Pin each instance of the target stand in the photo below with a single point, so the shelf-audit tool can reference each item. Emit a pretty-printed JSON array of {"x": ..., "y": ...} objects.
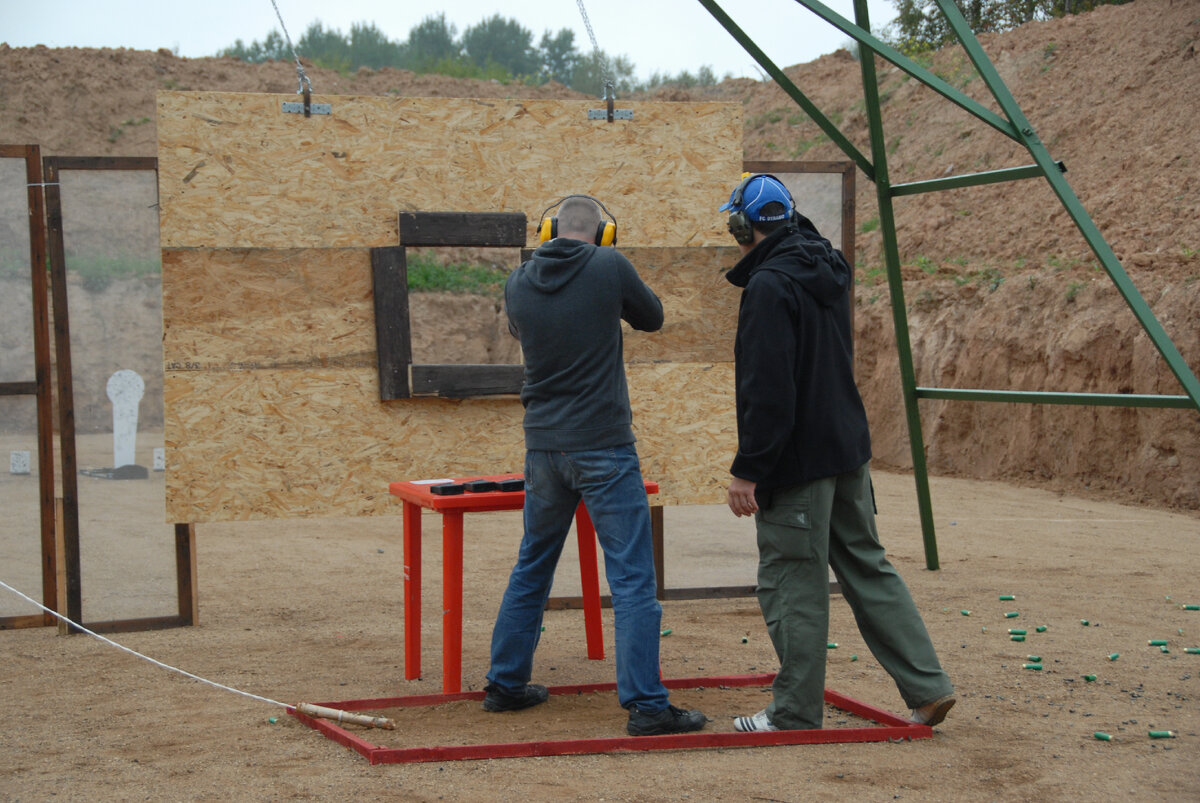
[{"x": 884, "y": 727}]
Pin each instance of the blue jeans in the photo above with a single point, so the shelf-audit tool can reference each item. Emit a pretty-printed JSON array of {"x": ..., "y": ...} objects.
[{"x": 610, "y": 483}]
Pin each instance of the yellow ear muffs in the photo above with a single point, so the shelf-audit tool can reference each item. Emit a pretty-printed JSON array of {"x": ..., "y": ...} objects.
[{"x": 606, "y": 232}]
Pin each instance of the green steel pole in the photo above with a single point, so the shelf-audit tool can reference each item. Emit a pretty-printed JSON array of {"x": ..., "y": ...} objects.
[
  {"x": 887, "y": 225},
  {"x": 1071, "y": 203},
  {"x": 785, "y": 83}
]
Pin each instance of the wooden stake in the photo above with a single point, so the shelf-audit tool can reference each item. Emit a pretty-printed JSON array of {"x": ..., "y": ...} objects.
[{"x": 345, "y": 716}]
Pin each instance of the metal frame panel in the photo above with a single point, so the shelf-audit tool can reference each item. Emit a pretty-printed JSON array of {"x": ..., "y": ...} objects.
[{"x": 70, "y": 594}]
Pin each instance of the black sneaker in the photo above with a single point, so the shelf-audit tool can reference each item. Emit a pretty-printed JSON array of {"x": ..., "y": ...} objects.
[
  {"x": 499, "y": 700},
  {"x": 669, "y": 720}
]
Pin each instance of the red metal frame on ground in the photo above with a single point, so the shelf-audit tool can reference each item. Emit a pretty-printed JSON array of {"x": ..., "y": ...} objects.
[{"x": 888, "y": 727}]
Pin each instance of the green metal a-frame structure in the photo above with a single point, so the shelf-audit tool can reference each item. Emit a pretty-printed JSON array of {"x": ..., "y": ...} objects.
[{"x": 1012, "y": 124}]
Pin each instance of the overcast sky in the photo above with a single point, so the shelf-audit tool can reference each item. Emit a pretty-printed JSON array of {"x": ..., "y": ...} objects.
[{"x": 663, "y": 36}]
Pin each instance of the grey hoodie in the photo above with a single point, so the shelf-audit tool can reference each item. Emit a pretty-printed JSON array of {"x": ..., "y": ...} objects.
[{"x": 566, "y": 305}]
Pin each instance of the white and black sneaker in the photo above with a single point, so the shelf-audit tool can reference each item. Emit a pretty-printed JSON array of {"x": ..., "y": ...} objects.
[{"x": 754, "y": 724}]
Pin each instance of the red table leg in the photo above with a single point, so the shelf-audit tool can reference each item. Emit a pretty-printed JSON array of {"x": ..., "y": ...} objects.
[
  {"x": 412, "y": 591},
  {"x": 452, "y": 583},
  {"x": 589, "y": 579}
]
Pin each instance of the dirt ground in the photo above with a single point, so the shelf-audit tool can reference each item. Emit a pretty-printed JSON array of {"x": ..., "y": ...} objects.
[
  {"x": 1097, "y": 517},
  {"x": 312, "y": 611}
]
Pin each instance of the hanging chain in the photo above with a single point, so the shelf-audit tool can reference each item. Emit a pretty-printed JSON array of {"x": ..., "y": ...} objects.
[
  {"x": 603, "y": 62},
  {"x": 301, "y": 77}
]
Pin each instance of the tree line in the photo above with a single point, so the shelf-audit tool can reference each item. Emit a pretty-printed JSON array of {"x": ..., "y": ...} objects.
[
  {"x": 495, "y": 48},
  {"x": 502, "y": 49},
  {"x": 921, "y": 26}
]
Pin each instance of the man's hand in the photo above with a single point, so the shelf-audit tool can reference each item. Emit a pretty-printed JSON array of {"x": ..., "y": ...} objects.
[{"x": 741, "y": 497}]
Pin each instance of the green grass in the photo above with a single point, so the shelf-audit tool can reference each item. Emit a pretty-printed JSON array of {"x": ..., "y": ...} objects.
[{"x": 426, "y": 274}]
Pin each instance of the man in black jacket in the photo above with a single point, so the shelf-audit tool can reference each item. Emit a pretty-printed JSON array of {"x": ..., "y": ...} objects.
[
  {"x": 801, "y": 466},
  {"x": 566, "y": 305}
]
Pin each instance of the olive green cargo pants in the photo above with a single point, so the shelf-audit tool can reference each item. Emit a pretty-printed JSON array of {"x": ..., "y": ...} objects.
[{"x": 831, "y": 522}]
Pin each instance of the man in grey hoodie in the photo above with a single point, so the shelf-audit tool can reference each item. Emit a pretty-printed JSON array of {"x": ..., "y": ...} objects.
[
  {"x": 801, "y": 466},
  {"x": 566, "y": 305}
]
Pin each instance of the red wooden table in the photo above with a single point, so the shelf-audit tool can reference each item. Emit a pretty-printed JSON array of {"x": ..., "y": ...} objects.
[{"x": 416, "y": 494}]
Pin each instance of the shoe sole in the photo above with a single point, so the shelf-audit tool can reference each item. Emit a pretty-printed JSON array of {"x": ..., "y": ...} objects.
[{"x": 939, "y": 711}]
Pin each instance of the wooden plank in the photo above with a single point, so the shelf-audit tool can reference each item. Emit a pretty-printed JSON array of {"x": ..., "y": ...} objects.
[
  {"x": 236, "y": 172},
  {"x": 67, "y": 512},
  {"x": 465, "y": 381},
  {"x": 474, "y": 229},
  {"x": 393, "y": 336},
  {"x": 185, "y": 573}
]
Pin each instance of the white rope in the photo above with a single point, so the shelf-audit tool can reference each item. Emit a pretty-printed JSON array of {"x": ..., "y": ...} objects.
[
  {"x": 587, "y": 23},
  {"x": 299, "y": 67},
  {"x": 139, "y": 655}
]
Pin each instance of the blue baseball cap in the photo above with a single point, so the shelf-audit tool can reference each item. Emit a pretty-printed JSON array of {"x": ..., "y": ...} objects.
[{"x": 757, "y": 192}]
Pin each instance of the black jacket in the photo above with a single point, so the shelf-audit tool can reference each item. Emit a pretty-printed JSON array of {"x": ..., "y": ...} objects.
[{"x": 799, "y": 413}]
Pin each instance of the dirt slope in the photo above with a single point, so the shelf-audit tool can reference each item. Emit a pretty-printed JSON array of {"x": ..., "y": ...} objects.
[{"x": 1000, "y": 289}]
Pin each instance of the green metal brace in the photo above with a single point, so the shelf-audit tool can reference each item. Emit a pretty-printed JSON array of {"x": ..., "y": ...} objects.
[{"x": 1018, "y": 128}]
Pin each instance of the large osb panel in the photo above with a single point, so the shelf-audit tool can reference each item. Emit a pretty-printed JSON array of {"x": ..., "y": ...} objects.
[
  {"x": 234, "y": 171},
  {"x": 699, "y": 306},
  {"x": 272, "y": 443},
  {"x": 267, "y": 308},
  {"x": 272, "y": 396}
]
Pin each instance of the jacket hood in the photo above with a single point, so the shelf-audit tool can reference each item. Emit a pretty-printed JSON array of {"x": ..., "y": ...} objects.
[
  {"x": 556, "y": 262},
  {"x": 799, "y": 252}
]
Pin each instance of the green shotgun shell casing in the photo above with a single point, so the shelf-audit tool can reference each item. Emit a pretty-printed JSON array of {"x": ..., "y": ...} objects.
[
  {"x": 854, "y": 657},
  {"x": 1012, "y": 615},
  {"x": 745, "y": 640},
  {"x": 1004, "y": 597},
  {"x": 1164, "y": 649},
  {"x": 1089, "y": 678},
  {"x": 1102, "y": 736},
  {"x": 1037, "y": 659},
  {"x": 666, "y": 632},
  {"x": 1112, "y": 656},
  {"x": 1191, "y": 607},
  {"x": 1034, "y": 667},
  {"x": 1192, "y": 650},
  {"x": 832, "y": 645},
  {"x": 965, "y": 612},
  {"x": 1040, "y": 628},
  {"x": 1162, "y": 734},
  {"x": 1084, "y": 622},
  {"x": 1157, "y": 642},
  {"x": 1013, "y": 631},
  {"x": 1016, "y": 638}
]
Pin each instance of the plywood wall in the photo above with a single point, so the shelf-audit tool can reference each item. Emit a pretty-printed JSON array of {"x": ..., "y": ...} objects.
[
  {"x": 236, "y": 172},
  {"x": 272, "y": 397}
]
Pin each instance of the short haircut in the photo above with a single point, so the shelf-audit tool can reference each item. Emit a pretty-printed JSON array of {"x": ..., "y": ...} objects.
[
  {"x": 772, "y": 209},
  {"x": 579, "y": 216}
]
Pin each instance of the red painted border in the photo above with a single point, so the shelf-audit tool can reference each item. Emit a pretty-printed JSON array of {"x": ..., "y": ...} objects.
[{"x": 888, "y": 727}]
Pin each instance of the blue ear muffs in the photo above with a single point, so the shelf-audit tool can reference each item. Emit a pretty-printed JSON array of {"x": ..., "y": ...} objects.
[{"x": 739, "y": 223}]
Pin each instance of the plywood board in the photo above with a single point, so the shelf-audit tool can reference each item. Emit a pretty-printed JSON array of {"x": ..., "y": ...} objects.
[
  {"x": 236, "y": 172},
  {"x": 276, "y": 443},
  {"x": 272, "y": 400}
]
